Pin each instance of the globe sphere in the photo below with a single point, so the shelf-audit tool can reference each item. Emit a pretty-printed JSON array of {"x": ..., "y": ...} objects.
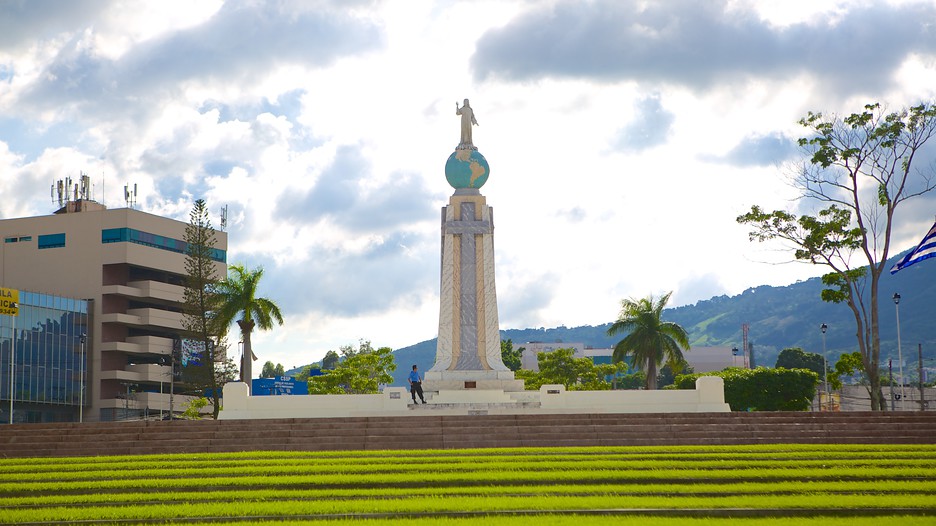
[{"x": 466, "y": 169}]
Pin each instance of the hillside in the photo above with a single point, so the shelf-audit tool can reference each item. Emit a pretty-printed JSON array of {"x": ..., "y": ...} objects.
[{"x": 778, "y": 317}]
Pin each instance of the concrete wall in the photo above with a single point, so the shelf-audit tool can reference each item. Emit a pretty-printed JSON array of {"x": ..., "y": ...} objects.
[
  {"x": 707, "y": 397},
  {"x": 238, "y": 404}
]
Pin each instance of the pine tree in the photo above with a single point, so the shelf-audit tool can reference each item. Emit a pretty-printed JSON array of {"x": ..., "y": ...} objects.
[{"x": 201, "y": 302}]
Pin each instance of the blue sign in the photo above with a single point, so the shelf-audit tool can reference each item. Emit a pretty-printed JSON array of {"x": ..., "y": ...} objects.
[{"x": 280, "y": 385}]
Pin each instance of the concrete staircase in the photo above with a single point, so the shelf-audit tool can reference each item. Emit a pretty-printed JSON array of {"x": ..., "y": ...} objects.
[{"x": 424, "y": 431}]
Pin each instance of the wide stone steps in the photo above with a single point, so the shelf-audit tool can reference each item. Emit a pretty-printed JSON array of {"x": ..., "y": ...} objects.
[{"x": 426, "y": 431}]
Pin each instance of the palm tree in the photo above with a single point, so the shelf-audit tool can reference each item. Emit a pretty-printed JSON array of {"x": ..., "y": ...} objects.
[
  {"x": 239, "y": 298},
  {"x": 650, "y": 340}
]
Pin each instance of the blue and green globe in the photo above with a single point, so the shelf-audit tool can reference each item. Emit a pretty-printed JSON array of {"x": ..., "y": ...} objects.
[{"x": 466, "y": 169}]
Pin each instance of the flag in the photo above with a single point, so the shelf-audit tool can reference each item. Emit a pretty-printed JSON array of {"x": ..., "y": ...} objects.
[{"x": 926, "y": 249}]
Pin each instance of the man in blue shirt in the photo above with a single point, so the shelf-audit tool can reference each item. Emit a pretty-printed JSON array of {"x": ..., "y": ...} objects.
[{"x": 415, "y": 383}]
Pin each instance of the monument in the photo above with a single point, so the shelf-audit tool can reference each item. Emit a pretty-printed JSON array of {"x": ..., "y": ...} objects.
[
  {"x": 468, "y": 353},
  {"x": 469, "y": 376}
]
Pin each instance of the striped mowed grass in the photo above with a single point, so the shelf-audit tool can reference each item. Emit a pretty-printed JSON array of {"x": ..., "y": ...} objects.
[{"x": 751, "y": 484}]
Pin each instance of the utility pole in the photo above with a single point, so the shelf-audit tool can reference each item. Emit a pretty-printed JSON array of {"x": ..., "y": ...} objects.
[{"x": 920, "y": 373}]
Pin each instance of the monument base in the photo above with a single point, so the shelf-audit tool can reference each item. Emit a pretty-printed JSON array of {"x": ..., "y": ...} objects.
[
  {"x": 707, "y": 397},
  {"x": 436, "y": 381},
  {"x": 471, "y": 396}
]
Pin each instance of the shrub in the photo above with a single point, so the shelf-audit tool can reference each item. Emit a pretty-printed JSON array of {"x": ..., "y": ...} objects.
[
  {"x": 193, "y": 408},
  {"x": 762, "y": 389}
]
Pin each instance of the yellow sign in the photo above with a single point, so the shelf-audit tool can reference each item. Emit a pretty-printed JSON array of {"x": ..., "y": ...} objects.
[{"x": 9, "y": 302}]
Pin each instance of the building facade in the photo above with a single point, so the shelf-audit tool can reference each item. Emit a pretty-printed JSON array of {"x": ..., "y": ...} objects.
[
  {"x": 129, "y": 266},
  {"x": 47, "y": 345}
]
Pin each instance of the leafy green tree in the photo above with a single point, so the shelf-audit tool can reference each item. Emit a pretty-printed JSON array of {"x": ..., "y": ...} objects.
[
  {"x": 636, "y": 380},
  {"x": 668, "y": 373},
  {"x": 201, "y": 301},
  {"x": 848, "y": 364},
  {"x": 511, "y": 356},
  {"x": 796, "y": 358},
  {"x": 239, "y": 298},
  {"x": 861, "y": 168},
  {"x": 762, "y": 389},
  {"x": 330, "y": 361},
  {"x": 272, "y": 371},
  {"x": 576, "y": 374},
  {"x": 360, "y": 372},
  {"x": 650, "y": 340}
]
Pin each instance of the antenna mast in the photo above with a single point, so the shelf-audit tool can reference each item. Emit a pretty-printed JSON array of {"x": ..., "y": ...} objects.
[{"x": 130, "y": 196}]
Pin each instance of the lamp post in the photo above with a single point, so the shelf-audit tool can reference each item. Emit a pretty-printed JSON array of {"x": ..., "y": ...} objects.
[
  {"x": 899, "y": 355},
  {"x": 81, "y": 381},
  {"x": 176, "y": 348},
  {"x": 825, "y": 367},
  {"x": 13, "y": 306}
]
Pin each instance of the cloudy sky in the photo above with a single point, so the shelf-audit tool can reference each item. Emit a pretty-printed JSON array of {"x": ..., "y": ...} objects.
[{"x": 623, "y": 137}]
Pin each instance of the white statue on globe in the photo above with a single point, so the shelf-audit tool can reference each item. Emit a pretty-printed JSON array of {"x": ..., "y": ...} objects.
[{"x": 467, "y": 120}]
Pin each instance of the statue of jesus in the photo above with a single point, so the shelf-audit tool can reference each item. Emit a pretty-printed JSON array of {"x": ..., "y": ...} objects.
[{"x": 467, "y": 119}]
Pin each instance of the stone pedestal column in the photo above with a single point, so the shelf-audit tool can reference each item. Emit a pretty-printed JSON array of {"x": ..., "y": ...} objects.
[{"x": 468, "y": 354}]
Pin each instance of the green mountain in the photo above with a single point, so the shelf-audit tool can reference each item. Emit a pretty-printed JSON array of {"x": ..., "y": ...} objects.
[{"x": 778, "y": 317}]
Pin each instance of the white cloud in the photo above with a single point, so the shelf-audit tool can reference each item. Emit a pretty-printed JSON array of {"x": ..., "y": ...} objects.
[{"x": 623, "y": 139}]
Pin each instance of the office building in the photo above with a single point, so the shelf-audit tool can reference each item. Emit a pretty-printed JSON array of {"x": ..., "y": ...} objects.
[{"x": 128, "y": 268}]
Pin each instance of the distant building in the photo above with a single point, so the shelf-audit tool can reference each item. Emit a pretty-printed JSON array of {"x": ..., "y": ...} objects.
[
  {"x": 533, "y": 349},
  {"x": 128, "y": 267},
  {"x": 705, "y": 359},
  {"x": 701, "y": 359}
]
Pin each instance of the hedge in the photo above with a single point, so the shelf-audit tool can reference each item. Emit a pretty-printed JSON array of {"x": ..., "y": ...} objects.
[{"x": 762, "y": 389}]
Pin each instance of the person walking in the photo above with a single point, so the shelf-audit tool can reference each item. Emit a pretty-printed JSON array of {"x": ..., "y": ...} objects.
[{"x": 415, "y": 383}]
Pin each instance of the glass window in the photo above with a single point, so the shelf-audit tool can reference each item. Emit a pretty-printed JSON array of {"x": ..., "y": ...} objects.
[
  {"x": 52, "y": 240},
  {"x": 114, "y": 235}
]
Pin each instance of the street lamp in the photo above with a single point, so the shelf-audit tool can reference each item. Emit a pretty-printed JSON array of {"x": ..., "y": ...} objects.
[
  {"x": 13, "y": 307},
  {"x": 899, "y": 355},
  {"x": 825, "y": 367},
  {"x": 81, "y": 381}
]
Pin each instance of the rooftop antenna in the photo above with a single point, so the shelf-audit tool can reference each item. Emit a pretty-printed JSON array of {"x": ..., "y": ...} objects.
[
  {"x": 58, "y": 187},
  {"x": 130, "y": 196},
  {"x": 85, "y": 187},
  {"x": 60, "y": 191},
  {"x": 224, "y": 217}
]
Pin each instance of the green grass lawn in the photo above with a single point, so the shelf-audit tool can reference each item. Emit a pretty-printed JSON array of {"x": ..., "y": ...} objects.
[{"x": 770, "y": 484}]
